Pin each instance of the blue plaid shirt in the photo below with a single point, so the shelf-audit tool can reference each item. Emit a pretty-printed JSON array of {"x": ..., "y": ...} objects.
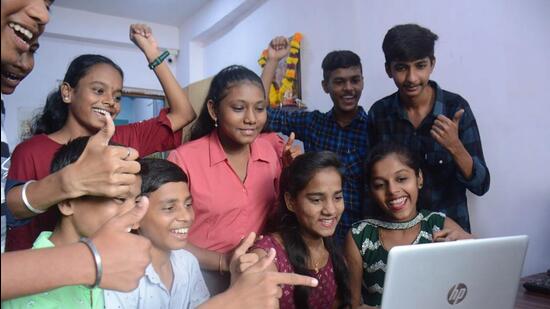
[
  {"x": 320, "y": 131},
  {"x": 444, "y": 185}
]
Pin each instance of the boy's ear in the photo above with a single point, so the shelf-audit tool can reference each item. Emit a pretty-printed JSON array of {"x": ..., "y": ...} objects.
[
  {"x": 66, "y": 92},
  {"x": 66, "y": 207},
  {"x": 289, "y": 202},
  {"x": 387, "y": 66},
  {"x": 212, "y": 110},
  {"x": 433, "y": 63},
  {"x": 324, "y": 84}
]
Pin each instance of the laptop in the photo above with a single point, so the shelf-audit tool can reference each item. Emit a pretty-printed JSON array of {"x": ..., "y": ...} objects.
[{"x": 464, "y": 274}]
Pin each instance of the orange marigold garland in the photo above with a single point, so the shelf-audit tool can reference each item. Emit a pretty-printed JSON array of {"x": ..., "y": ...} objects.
[{"x": 283, "y": 94}]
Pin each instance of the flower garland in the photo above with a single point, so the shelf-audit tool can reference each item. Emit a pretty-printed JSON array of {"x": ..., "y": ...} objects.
[{"x": 284, "y": 94}]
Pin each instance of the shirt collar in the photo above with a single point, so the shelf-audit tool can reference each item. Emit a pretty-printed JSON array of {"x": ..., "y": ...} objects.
[
  {"x": 217, "y": 154},
  {"x": 437, "y": 109},
  {"x": 360, "y": 116}
]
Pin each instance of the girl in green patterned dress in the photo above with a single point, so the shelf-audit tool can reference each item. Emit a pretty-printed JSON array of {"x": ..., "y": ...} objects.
[{"x": 394, "y": 180}]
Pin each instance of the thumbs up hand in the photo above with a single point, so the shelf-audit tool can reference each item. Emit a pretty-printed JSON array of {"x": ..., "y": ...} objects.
[
  {"x": 445, "y": 131},
  {"x": 290, "y": 152}
]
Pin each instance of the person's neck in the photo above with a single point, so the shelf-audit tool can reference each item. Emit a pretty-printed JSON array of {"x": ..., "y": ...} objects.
[
  {"x": 313, "y": 243},
  {"x": 159, "y": 258},
  {"x": 64, "y": 233},
  {"x": 420, "y": 102},
  {"x": 345, "y": 118},
  {"x": 233, "y": 149},
  {"x": 71, "y": 130}
]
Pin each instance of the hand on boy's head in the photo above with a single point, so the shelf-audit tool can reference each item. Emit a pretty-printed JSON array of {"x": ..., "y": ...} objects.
[
  {"x": 278, "y": 48},
  {"x": 102, "y": 170},
  {"x": 258, "y": 288},
  {"x": 445, "y": 131},
  {"x": 142, "y": 36},
  {"x": 124, "y": 255}
]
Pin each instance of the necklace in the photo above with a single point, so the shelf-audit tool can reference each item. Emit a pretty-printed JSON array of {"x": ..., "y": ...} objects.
[
  {"x": 318, "y": 264},
  {"x": 396, "y": 225}
]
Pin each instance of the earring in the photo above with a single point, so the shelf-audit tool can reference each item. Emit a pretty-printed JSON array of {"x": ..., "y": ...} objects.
[
  {"x": 216, "y": 123},
  {"x": 66, "y": 99},
  {"x": 420, "y": 186}
]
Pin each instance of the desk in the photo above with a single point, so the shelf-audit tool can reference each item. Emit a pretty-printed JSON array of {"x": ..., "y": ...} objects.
[{"x": 530, "y": 300}]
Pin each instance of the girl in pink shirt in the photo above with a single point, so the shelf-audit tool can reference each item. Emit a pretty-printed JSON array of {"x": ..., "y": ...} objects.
[
  {"x": 311, "y": 204},
  {"x": 233, "y": 170}
]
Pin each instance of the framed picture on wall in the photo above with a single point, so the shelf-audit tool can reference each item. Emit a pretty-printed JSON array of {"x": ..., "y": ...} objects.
[{"x": 286, "y": 88}]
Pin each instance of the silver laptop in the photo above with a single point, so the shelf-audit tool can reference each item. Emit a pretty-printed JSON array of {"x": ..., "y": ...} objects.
[{"x": 464, "y": 274}]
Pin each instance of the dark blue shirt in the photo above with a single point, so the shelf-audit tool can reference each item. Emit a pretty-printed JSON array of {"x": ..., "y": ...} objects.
[
  {"x": 444, "y": 185},
  {"x": 320, "y": 131}
]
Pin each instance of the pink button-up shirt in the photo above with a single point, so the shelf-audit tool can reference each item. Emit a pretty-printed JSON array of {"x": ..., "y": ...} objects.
[{"x": 227, "y": 209}]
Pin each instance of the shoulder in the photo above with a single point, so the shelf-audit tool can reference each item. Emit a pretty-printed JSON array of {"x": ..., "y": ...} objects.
[
  {"x": 34, "y": 142},
  {"x": 433, "y": 219},
  {"x": 184, "y": 258},
  {"x": 192, "y": 147}
]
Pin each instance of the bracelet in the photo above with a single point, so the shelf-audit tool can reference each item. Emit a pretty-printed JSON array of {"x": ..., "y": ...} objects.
[
  {"x": 97, "y": 260},
  {"x": 26, "y": 200},
  {"x": 159, "y": 60},
  {"x": 220, "y": 265}
]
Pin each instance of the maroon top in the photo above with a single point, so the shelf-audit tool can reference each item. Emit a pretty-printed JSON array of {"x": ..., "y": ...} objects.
[
  {"x": 320, "y": 297},
  {"x": 32, "y": 159}
]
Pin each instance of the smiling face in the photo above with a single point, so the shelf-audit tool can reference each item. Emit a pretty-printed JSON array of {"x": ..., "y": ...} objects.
[
  {"x": 97, "y": 92},
  {"x": 411, "y": 77},
  {"x": 394, "y": 186},
  {"x": 345, "y": 86},
  {"x": 169, "y": 217},
  {"x": 22, "y": 23},
  {"x": 320, "y": 204},
  {"x": 241, "y": 114}
]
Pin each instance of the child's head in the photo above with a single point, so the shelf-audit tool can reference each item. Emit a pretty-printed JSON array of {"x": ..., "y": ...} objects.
[
  {"x": 343, "y": 79},
  {"x": 84, "y": 215},
  {"x": 235, "y": 105},
  {"x": 22, "y": 24},
  {"x": 91, "y": 87},
  {"x": 409, "y": 52},
  {"x": 394, "y": 180},
  {"x": 170, "y": 212},
  {"x": 311, "y": 193}
]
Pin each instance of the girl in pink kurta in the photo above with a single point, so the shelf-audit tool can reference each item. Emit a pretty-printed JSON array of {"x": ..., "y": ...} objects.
[
  {"x": 311, "y": 204},
  {"x": 233, "y": 170}
]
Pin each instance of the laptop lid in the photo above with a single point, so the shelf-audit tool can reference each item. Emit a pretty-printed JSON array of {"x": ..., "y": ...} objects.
[{"x": 464, "y": 274}]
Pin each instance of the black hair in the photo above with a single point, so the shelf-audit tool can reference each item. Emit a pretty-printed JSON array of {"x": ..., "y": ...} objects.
[
  {"x": 221, "y": 83},
  {"x": 55, "y": 112},
  {"x": 339, "y": 59},
  {"x": 408, "y": 42},
  {"x": 156, "y": 172},
  {"x": 380, "y": 152},
  {"x": 68, "y": 153},
  {"x": 294, "y": 179}
]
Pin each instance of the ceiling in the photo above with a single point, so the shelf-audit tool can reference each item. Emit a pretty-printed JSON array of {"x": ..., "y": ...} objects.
[{"x": 167, "y": 12}]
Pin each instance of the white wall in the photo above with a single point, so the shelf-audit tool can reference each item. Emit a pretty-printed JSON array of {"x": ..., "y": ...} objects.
[
  {"x": 71, "y": 33},
  {"x": 494, "y": 53}
]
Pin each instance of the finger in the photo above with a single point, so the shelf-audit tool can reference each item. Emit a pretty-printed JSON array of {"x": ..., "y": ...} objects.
[
  {"x": 103, "y": 136},
  {"x": 245, "y": 244},
  {"x": 458, "y": 116},
  {"x": 249, "y": 258},
  {"x": 131, "y": 217},
  {"x": 438, "y": 130},
  {"x": 294, "y": 279},
  {"x": 264, "y": 262},
  {"x": 290, "y": 140}
]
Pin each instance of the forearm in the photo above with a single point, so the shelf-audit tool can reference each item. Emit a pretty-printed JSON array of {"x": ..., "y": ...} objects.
[
  {"x": 181, "y": 112},
  {"x": 34, "y": 271},
  {"x": 209, "y": 260},
  {"x": 268, "y": 74},
  {"x": 463, "y": 160},
  {"x": 41, "y": 194}
]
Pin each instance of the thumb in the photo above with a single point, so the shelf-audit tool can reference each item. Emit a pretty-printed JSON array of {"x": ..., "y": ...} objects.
[
  {"x": 131, "y": 217},
  {"x": 104, "y": 135},
  {"x": 263, "y": 263},
  {"x": 458, "y": 116},
  {"x": 290, "y": 140}
]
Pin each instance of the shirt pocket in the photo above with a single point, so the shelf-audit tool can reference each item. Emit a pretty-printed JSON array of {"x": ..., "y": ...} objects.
[{"x": 440, "y": 164}]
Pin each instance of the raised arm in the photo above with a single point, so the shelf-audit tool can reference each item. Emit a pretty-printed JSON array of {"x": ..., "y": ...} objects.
[
  {"x": 277, "y": 49},
  {"x": 101, "y": 170},
  {"x": 181, "y": 112}
]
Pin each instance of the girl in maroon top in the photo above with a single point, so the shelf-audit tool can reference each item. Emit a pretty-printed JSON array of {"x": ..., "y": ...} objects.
[{"x": 311, "y": 203}]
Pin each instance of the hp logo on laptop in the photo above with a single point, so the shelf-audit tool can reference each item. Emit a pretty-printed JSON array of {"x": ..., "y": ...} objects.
[{"x": 457, "y": 293}]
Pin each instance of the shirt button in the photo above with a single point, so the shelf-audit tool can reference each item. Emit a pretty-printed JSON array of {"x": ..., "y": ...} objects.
[{"x": 440, "y": 161}]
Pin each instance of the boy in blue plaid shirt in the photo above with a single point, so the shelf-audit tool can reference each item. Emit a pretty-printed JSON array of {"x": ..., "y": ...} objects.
[
  {"x": 342, "y": 130},
  {"x": 437, "y": 125}
]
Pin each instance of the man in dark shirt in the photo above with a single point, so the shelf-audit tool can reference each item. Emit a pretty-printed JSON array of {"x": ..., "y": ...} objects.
[{"x": 437, "y": 125}]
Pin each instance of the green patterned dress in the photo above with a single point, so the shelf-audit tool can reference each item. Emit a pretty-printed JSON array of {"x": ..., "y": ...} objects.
[{"x": 366, "y": 237}]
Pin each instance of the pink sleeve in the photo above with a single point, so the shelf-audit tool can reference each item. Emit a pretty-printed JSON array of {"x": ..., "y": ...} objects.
[{"x": 149, "y": 136}]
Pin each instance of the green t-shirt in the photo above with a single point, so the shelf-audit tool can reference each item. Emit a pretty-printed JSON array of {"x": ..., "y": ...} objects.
[
  {"x": 73, "y": 297},
  {"x": 375, "y": 257}
]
